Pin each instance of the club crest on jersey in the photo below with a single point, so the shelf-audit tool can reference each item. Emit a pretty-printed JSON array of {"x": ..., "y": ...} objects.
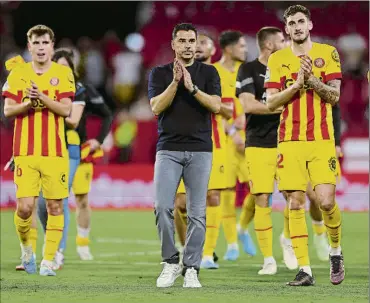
[
  {"x": 335, "y": 55},
  {"x": 54, "y": 81},
  {"x": 319, "y": 62},
  {"x": 333, "y": 164}
]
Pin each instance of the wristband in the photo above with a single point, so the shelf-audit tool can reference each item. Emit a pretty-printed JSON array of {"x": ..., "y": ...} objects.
[{"x": 195, "y": 90}]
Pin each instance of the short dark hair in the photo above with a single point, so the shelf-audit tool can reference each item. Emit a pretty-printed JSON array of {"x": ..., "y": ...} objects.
[
  {"x": 183, "y": 27},
  {"x": 264, "y": 33},
  {"x": 40, "y": 30},
  {"x": 229, "y": 37},
  {"x": 68, "y": 55},
  {"x": 293, "y": 9}
]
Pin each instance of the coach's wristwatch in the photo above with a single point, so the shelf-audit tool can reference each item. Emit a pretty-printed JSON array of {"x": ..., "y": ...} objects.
[{"x": 195, "y": 90}]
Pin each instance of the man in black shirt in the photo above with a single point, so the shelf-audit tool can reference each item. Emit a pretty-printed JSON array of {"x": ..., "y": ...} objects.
[
  {"x": 183, "y": 94},
  {"x": 261, "y": 139}
]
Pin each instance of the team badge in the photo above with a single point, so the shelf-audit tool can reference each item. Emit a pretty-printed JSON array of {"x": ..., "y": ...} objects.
[
  {"x": 63, "y": 178},
  {"x": 222, "y": 169},
  {"x": 335, "y": 55},
  {"x": 333, "y": 164},
  {"x": 319, "y": 62},
  {"x": 54, "y": 81}
]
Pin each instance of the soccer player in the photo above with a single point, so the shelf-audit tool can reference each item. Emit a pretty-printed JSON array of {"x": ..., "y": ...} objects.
[
  {"x": 234, "y": 48},
  {"x": 305, "y": 79},
  {"x": 204, "y": 52},
  {"x": 184, "y": 150},
  {"x": 261, "y": 141},
  {"x": 65, "y": 57},
  {"x": 39, "y": 95}
]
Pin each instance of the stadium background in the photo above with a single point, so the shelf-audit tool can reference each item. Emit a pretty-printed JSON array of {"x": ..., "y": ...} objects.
[{"x": 118, "y": 42}]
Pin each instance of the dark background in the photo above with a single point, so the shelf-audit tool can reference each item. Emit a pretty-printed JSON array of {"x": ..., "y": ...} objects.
[{"x": 74, "y": 19}]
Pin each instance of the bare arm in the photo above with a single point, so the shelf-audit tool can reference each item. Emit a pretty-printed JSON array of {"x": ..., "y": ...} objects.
[
  {"x": 74, "y": 119},
  {"x": 329, "y": 92},
  {"x": 226, "y": 110},
  {"x": 61, "y": 108},
  {"x": 253, "y": 106},
  {"x": 213, "y": 103},
  {"x": 161, "y": 102},
  {"x": 12, "y": 108}
]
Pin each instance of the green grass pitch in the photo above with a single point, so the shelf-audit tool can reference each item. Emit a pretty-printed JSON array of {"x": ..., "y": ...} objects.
[{"x": 127, "y": 263}]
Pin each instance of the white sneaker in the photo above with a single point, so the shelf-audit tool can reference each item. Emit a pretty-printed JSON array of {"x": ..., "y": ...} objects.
[
  {"x": 290, "y": 259},
  {"x": 169, "y": 274},
  {"x": 84, "y": 253},
  {"x": 58, "y": 260},
  {"x": 322, "y": 246},
  {"x": 191, "y": 279},
  {"x": 269, "y": 268}
]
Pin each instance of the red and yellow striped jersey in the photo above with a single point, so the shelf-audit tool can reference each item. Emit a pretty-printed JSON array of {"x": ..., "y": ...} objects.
[
  {"x": 306, "y": 117},
  {"x": 39, "y": 132},
  {"x": 228, "y": 82}
]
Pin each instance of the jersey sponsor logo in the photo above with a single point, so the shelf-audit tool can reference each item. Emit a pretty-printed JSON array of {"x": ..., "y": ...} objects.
[
  {"x": 267, "y": 76},
  {"x": 319, "y": 62},
  {"x": 289, "y": 82},
  {"x": 54, "y": 81},
  {"x": 333, "y": 164},
  {"x": 335, "y": 55},
  {"x": 286, "y": 66}
]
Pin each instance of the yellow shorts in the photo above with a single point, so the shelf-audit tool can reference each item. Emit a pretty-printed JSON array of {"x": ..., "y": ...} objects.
[
  {"x": 261, "y": 163},
  {"x": 217, "y": 179},
  {"x": 83, "y": 178},
  {"x": 296, "y": 158},
  {"x": 236, "y": 166},
  {"x": 48, "y": 173}
]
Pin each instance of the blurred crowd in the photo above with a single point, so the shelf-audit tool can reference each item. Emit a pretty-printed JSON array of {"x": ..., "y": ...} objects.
[{"x": 118, "y": 68}]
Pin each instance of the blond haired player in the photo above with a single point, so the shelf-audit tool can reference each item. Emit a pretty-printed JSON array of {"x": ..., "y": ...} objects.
[
  {"x": 38, "y": 94},
  {"x": 305, "y": 79},
  {"x": 234, "y": 48},
  {"x": 217, "y": 182}
]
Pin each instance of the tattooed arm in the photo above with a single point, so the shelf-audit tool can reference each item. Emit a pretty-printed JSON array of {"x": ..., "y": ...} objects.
[{"x": 329, "y": 92}]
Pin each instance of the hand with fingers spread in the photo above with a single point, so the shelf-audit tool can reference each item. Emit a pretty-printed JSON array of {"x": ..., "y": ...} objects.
[
  {"x": 177, "y": 71},
  {"x": 306, "y": 66}
]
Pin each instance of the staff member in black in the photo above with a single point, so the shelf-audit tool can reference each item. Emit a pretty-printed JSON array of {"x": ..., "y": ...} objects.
[{"x": 183, "y": 94}]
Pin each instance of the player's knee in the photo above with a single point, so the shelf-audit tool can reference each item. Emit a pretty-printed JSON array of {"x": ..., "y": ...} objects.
[
  {"x": 24, "y": 211},
  {"x": 82, "y": 201},
  {"x": 262, "y": 200},
  {"x": 296, "y": 200},
  {"x": 180, "y": 202},
  {"x": 55, "y": 207},
  {"x": 213, "y": 198},
  {"x": 326, "y": 201}
]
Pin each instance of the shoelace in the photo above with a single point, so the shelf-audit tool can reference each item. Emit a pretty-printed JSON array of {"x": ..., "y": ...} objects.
[
  {"x": 301, "y": 274},
  {"x": 335, "y": 263},
  {"x": 191, "y": 274}
]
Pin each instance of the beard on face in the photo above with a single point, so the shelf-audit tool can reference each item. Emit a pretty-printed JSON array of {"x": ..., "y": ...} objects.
[
  {"x": 201, "y": 58},
  {"x": 301, "y": 41}
]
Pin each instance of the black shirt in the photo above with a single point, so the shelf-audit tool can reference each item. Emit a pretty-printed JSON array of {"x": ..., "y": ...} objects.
[
  {"x": 186, "y": 124},
  {"x": 94, "y": 105},
  {"x": 261, "y": 130}
]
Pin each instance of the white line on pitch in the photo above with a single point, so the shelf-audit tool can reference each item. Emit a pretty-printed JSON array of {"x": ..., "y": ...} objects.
[{"x": 127, "y": 241}]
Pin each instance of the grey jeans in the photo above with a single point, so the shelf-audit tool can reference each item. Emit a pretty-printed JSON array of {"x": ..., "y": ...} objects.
[{"x": 195, "y": 169}]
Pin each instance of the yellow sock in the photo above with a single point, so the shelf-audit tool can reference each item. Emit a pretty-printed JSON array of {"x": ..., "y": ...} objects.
[
  {"x": 229, "y": 215},
  {"x": 248, "y": 211},
  {"x": 286, "y": 222},
  {"x": 82, "y": 238},
  {"x": 318, "y": 227},
  {"x": 333, "y": 222},
  {"x": 23, "y": 228},
  {"x": 213, "y": 222},
  {"x": 54, "y": 233},
  {"x": 263, "y": 228},
  {"x": 33, "y": 239},
  {"x": 299, "y": 236}
]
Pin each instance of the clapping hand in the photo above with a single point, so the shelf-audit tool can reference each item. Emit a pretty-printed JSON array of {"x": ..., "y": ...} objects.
[
  {"x": 187, "y": 78},
  {"x": 177, "y": 71},
  {"x": 306, "y": 66},
  {"x": 33, "y": 92}
]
